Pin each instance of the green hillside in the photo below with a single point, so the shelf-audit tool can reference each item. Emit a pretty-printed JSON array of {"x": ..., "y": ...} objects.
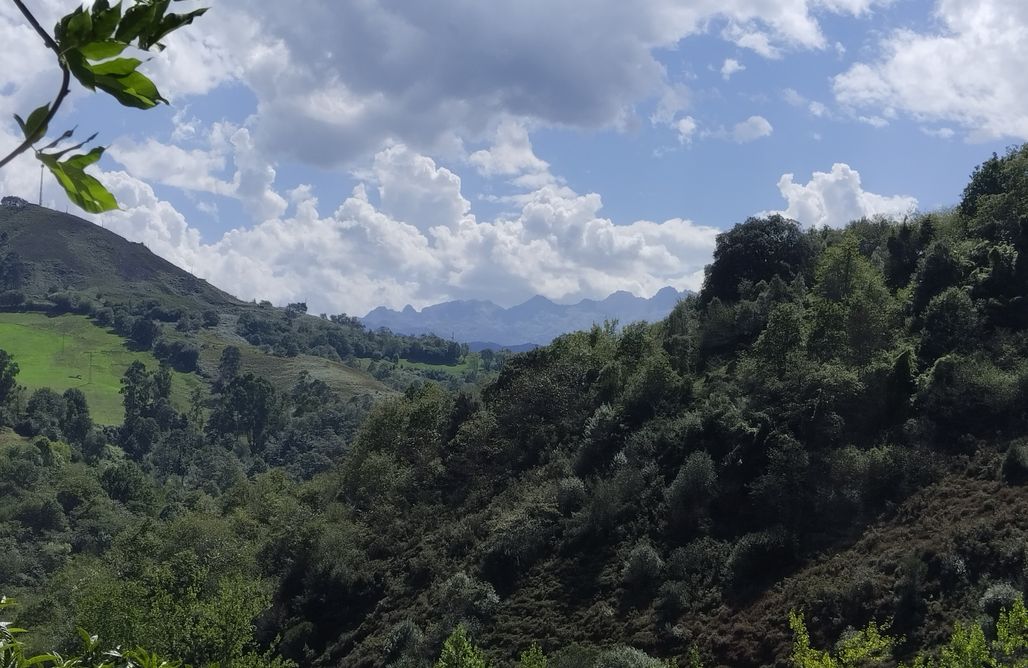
[
  {"x": 283, "y": 371},
  {"x": 836, "y": 426},
  {"x": 70, "y": 351},
  {"x": 62, "y": 252},
  {"x": 58, "y": 262}
]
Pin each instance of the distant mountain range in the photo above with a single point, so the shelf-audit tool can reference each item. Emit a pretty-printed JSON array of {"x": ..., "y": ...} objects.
[{"x": 483, "y": 324}]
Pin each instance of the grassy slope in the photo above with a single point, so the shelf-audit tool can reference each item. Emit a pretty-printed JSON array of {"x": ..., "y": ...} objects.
[
  {"x": 54, "y": 352},
  {"x": 284, "y": 371},
  {"x": 67, "y": 253},
  {"x": 8, "y": 437}
]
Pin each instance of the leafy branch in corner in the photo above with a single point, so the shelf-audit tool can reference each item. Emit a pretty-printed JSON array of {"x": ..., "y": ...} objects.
[{"x": 88, "y": 44}]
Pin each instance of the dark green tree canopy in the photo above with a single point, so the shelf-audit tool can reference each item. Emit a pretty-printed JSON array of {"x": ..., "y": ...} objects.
[{"x": 757, "y": 250}]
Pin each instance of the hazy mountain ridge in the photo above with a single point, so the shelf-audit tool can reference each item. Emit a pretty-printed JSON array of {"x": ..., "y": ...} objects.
[{"x": 536, "y": 321}]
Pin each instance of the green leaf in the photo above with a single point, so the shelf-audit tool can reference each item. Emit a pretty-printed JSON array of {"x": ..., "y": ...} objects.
[
  {"x": 168, "y": 25},
  {"x": 120, "y": 79},
  {"x": 82, "y": 189},
  {"x": 135, "y": 22},
  {"x": 78, "y": 30},
  {"x": 38, "y": 660},
  {"x": 132, "y": 90},
  {"x": 35, "y": 127},
  {"x": 118, "y": 67},
  {"x": 100, "y": 50},
  {"x": 105, "y": 19},
  {"x": 80, "y": 68}
]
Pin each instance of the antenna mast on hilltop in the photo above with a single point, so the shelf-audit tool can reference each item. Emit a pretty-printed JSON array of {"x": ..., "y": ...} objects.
[{"x": 41, "y": 185}]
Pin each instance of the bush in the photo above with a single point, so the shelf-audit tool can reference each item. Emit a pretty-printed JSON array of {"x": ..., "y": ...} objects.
[
  {"x": 627, "y": 657},
  {"x": 756, "y": 557},
  {"x": 464, "y": 598},
  {"x": 403, "y": 644},
  {"x": 969, "y": 395},
  {"x": 673, "y": 599},
  {"x": 1015, "y": 464},
  {"x": 181, "y": 355},
  {"x": 643, "y": 568},
  {"x": 459, "y": 652},
  {"x": 692, "y": 489},
  {"x": 950, "y": 322},
  {"x": 997, "y": 598},
  {"x": 704, "y": 557},
  {"x": 571, "y": 495},
  {"x": 515, "y": 543}
]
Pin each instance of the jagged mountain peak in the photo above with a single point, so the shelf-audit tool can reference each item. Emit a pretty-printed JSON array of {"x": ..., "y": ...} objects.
[{"x": 537, "y": 320}]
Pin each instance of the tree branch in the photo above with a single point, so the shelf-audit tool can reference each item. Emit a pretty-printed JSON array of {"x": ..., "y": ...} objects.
[{"x": 65, "y": 81}]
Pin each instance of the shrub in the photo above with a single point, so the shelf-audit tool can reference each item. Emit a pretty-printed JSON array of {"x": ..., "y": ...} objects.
[
  {"x": 756, "y": 556},
  {"x": 574, "y": 656},
  {"x": 997, "y": 598},
  {"x": 515, "y": 543},
  {"x": 458, "y": 652},
  {"x": 464, "y": 598},
  {"x": 532, "y": 657},
  {"x": 1015, "y": 464},
  {"x": 971, "y": 395},
  {"x": 691, "y": 490},
  {"x": 673, "y": 599},
  {"x": 643, "y": 568},
  {"x": 403, "y": 643},
  {"x": 627, "y": 657},
  {"x": 950, "y": 322},
  {"x": 571, "y": 495}
]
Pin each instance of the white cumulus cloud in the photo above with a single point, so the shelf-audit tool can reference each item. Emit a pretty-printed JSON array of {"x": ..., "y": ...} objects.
[
  {"x": 421, "y": 244},
  {"x": 751, "y": 129},
  {"x": 730, "y": 67},
  {"x": 970, "y": 72},
  {"x": 686, "y": 128},
  {"x": 837, "y": 197}
]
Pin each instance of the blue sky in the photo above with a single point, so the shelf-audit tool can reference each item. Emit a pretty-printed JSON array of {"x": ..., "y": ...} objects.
[{"x": 386, "y": 153}]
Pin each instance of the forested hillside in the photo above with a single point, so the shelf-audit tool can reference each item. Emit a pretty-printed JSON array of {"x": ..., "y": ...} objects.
[{"x": 834, "y": 426}]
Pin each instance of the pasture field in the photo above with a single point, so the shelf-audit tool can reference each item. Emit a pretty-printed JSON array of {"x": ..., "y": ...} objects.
[{"x": 67, "y": 351}]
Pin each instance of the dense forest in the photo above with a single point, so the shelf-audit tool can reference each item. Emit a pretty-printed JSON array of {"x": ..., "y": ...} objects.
[{"x": 825, "y": 447}]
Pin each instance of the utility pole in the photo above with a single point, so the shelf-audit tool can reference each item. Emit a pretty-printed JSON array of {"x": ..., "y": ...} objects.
[
  {"x": 41, "y": 185},
  {"x": 90, "y": 353}
]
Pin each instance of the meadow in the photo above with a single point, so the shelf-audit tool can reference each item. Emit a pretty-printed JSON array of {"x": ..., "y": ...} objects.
[{"x": 67, "y": 351}]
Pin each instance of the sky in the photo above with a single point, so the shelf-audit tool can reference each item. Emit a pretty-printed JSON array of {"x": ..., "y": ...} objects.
[{"x": 391, "y": 152}]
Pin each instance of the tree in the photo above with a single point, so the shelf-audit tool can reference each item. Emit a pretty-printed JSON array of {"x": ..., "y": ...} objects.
[
  {"x": 77, "y": 422},
  {"x": 145, "y": 332},
  {"x": 44, "y": 414},
  {"x": 249, "y": 406},
  {"x": 757, "y": 250},
  {"x": 8, "y": 376},
  {"x": 87, "y": 44},
  {"x": 783, "y": 342},
  {"x": 870, "y": 646},
  {"x": 532, "y": 657},
  {"x": 692, "y": 490},
  {"x": 137, "y": 391},
  {"x": 458, "y": 652},
  {"x": 229, "y": 365}
]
